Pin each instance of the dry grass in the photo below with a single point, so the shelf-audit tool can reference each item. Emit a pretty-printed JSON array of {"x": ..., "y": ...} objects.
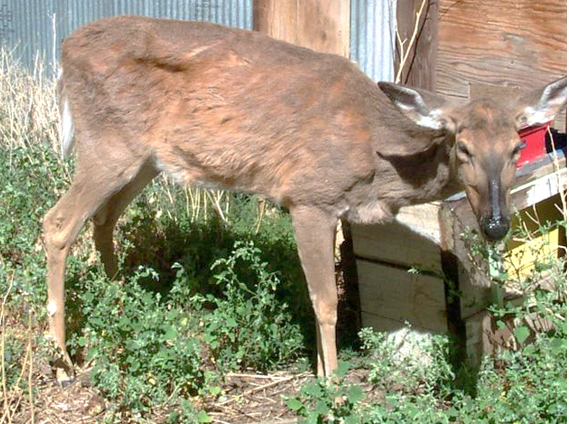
[{"x": 28, "y": 107}]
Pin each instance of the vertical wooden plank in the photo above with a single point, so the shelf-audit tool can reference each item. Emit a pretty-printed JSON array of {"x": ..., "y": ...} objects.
[
  {"x": 277, "y": 19},
  {"x": 419, "y": 68},
  {"x": 324, "y": 25},
  {"x": 321, "y": 25},
  {"x": 450, "y": 268}
]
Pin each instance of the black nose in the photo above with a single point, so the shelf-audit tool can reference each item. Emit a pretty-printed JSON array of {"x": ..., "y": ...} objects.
[{"x": 495, "y": 228}]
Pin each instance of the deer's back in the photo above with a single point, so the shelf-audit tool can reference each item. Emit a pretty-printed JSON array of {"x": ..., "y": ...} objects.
[{"x": 223, "y": 106}]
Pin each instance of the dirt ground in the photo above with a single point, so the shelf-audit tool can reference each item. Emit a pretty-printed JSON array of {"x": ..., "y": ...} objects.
[{"x": 247, "y": 398}]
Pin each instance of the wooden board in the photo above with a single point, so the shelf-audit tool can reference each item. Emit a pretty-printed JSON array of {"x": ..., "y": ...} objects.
[
  {"x": 419, "y": 69},
  {"x": 391, "y": 296},
  {"x": 411, "y": 241},
  {"x": 322, "y": 25},
  {"x": 508, "y": 42},
  {"x": 539, "y": 189}
]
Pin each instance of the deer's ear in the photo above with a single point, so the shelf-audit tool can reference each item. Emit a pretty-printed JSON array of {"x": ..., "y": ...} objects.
[
  {"x": 540, "y": 106},
  {"x": 422, "y": 107},
  {"x": 425, "y": 109}
]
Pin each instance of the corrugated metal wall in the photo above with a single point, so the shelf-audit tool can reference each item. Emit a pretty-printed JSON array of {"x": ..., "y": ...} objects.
[
  {"x": 32, "y": 27},
  {"x": 372, "y": 37}
]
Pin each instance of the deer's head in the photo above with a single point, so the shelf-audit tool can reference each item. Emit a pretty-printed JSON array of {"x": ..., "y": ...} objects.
[{"x": 485, "y": 142}]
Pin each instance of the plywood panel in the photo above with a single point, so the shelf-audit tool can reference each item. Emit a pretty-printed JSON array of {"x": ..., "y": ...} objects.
[{"x": 392, "y": 295}]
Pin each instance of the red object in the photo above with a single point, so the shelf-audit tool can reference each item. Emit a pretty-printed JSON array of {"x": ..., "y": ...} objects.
[{"x": 535, "y": 138}]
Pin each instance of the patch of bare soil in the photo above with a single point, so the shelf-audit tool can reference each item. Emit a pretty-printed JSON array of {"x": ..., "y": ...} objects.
[
  {"x": 51, "y": 403},
  {"x": 247, "y": 398},
  {"x": 251, "y": 398}
]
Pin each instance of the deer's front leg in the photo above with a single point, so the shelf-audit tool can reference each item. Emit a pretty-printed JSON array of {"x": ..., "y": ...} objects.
[{"x": 314, "y": 231}]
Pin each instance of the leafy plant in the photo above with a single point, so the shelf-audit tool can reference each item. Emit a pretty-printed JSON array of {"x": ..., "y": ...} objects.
[
  {"x": 144, "y": 353},
  {"x": 322, "y": 400},
  {"x": 415, "y": 364},
  {"x": 249, "y": 326}
]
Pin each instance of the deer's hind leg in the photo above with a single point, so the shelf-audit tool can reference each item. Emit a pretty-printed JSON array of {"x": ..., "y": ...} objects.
[
  {"x": 108, "y": 214},
  {"x": 95, "y": 182}
]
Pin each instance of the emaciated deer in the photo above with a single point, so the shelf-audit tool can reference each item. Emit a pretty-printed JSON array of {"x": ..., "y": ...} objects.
[{"x": 235, "y": 109}]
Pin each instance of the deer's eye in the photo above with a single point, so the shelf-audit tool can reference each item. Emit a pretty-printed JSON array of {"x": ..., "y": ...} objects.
[{"x": 518, "y": 149}]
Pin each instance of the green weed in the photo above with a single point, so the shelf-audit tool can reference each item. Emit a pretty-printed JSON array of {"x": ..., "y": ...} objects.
[
  {"x": 249, "y": 327},
  {"x": 321, "y": 400}
]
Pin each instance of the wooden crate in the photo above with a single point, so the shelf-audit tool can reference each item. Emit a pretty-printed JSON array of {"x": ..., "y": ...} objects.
[
  {"x": 534, "y": 245},
  {"x": 412, "y": 240},
  {"x": 392, "y": 297}
]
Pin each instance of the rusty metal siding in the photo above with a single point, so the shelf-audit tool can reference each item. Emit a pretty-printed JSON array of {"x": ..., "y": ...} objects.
[{"x": 372, "y": 37}]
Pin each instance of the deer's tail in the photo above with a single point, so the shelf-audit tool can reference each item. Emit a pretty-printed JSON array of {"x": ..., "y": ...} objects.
[{"x": 66, "y": 125}]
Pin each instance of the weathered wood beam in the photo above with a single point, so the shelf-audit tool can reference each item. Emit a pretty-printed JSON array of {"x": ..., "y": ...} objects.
[{"x": 321, "y": 25}]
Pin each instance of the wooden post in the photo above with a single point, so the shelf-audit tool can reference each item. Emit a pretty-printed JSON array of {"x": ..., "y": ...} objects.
[
  {"x": 467, "y": 284},
  {"x": 321, "y": 25}
]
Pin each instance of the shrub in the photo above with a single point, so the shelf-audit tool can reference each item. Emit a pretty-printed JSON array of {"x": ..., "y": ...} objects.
[
  {"x": 249, "y": 326},
  {"x": 320, "y": 401},
  {"x": 152, "y": 351},
  {"x": 144, "y": 353}
]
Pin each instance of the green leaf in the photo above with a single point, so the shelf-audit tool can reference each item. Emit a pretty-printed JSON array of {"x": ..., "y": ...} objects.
[
  {"x": 342, "y": 370},
  {"x": 351, "y": 420},
  {"x": 171, "y": 333},
  {"x": 355, "y": 394},
  {"x": 558, "y": 345},
  {"x": 321, "y": 408},
  {"x": 215, "y": 390},
  {"x": 294, "y": 404},
  {"x": 313, "y": 390},
  {"x": 134, "y": 365},
  {"x": 203, "y": 417},
  {"x": 521, "y": 333}
]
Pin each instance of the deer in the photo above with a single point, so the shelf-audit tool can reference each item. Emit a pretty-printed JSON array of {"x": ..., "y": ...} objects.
[{"x": 235, "y": 109}]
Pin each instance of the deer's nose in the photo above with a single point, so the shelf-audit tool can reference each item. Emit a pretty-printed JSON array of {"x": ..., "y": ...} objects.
[{"x": 495, "y": 227}]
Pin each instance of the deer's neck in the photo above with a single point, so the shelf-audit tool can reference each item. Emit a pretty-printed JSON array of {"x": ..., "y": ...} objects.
[{"x": 424, "y": 176}]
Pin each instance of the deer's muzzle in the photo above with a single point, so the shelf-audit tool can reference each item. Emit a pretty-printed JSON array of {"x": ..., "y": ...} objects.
[
  {"x": 495, "y": 227},
  {"x": 497, "y": 224}
]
